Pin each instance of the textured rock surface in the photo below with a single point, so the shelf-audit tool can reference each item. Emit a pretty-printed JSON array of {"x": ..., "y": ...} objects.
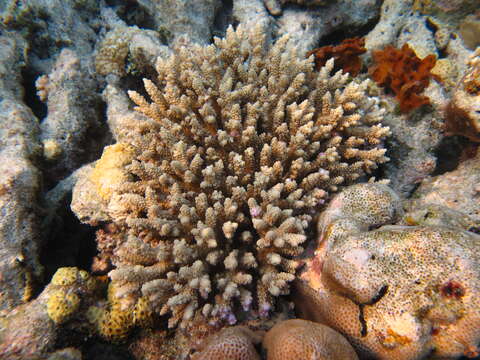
[
  {"x": 20, "y": 180},
  {"x": 30, "y": 331},
  {"x": 398, "y": 292},
  {"x": 307, "y": 27},
  {"x": 458, "y": 189},
  {"x": 70, "y": 131},
  {"x": 191, "y": 18}
]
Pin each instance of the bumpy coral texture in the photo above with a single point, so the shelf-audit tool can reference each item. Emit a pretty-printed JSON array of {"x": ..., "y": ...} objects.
[
  {"x": 234, "y": 343},
  {"x": 301, "y": 339},
  {"x": 241, "y": 143},
  {"x": 398, "y": 292},
  {"x": 346, "y": 55},
  {"x": 403, "y": 73}
]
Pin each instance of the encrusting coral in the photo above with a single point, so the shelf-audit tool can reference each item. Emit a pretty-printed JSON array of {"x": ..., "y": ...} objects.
[
  {"x": 403, "y": 73},
  {"x": 397, "y": 292},
  {"x": 301, "y": 339},
  {"x": 241, "y": 143},
  {"x": 346, "y": 55}
]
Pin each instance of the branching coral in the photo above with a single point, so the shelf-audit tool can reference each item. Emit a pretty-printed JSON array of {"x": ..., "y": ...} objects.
[
  {"x": 403, "y": 73},
  {"x": 346, "y": 55},
  {"x": 241, "y": 143}
]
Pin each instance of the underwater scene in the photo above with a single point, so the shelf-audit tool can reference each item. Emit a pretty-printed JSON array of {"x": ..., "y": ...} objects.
[{"x": 239, "y": 179}]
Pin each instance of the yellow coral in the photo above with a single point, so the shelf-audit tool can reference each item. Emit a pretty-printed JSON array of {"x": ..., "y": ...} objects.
[
  {"x": 65, "y": 276},
  {"x": 61, "y": 305},
  {"x": 108, "y": 171},
  {"x": 115, "y": 325},
  {"x": 142, "y": 313}
]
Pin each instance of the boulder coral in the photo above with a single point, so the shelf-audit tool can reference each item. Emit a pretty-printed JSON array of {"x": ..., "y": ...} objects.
[
  {"x": 301, "y": 339},
  {"x": 233, "y": 343},
  {"x": 218, "y": 182},
  {"x": 395, "y": 292}
]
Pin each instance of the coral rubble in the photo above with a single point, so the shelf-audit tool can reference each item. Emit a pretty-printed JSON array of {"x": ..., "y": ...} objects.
[
  {"x": 240, "y": 143},
  {"x": 396, "y": 292},
  {"x": 403, "y": 73}
]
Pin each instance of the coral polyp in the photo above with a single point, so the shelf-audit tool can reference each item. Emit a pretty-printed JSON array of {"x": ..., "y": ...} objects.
[{"x": 241, "y": 143}]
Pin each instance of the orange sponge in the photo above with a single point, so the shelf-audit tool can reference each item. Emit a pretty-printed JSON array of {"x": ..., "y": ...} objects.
[{"x": 403, "y": 73}]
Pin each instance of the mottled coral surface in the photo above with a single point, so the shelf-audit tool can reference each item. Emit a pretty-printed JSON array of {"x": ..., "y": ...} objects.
[
  {"x": 397, "y": 292},
  {"x": 301, "y": 339},
  {"x": 404, "y": 74},
  {"x": 234, "y": 343}
]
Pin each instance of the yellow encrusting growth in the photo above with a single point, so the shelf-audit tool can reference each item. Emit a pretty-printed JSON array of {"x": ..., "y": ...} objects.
[
  {"x": 110, "y": 171},
  {"x": 61, "y": 305},
  {"x": 65, "y": 276}
]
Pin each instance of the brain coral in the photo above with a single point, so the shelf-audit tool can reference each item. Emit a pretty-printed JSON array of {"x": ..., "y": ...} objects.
[
  {"x": 397, "y": 292},
  {"x": 240, "y": 143},
  {"x": 301, "y": 339}
]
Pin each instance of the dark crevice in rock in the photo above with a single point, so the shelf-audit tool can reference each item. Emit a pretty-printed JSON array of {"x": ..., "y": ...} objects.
[
  {"x": 223, "y": 18},
  {"x": 449, "y": 154},
  {"x": 133, "y": 13},
  {"x": 94, "y": 349},
  {"x": 361, "y": 318},
  {"x": 336, "y": 37},
  {"x": 381, "y": 293},
  {"x": 68, "y": 242},
  {"x": 30, "y": 97}
]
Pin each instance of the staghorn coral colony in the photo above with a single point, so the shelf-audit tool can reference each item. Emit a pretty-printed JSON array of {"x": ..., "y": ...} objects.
[{"x": 240, "y": 144}]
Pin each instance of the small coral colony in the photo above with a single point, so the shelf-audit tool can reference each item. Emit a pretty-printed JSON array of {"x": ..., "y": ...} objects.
[{"x": 212, "y": 201}]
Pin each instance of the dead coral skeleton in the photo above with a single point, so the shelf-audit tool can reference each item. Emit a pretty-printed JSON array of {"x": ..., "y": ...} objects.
[{"x": 241, "y": 144}]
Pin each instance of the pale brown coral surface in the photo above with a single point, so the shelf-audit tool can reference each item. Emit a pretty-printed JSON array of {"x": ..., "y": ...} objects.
[
  {"x": 301, "y": 339},
  {"x": 234, "y": 343}
]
